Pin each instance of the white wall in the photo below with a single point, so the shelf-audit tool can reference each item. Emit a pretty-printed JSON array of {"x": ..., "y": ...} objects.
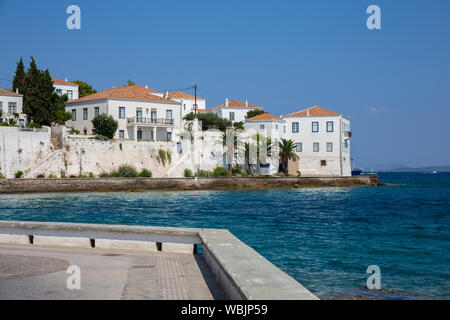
[
  {"x": 4, "y": 102},
  {"x": 65, "y": 88},
  {"x": 239, "y": 113},
  {"x": 20, "y": 150}
]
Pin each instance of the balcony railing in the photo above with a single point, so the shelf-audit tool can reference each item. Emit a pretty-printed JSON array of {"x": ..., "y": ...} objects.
[{"x": 155, "y": 121}]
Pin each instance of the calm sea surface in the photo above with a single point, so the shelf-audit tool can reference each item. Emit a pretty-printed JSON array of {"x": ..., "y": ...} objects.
[{"x": 323, "y": 237}]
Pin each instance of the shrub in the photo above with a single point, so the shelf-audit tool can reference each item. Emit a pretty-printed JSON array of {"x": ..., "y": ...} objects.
[
  {"x": 91, "y": 175},
  {"x": 51, "y": 176},
  {"x": 188, "y": 173},
  {"x": 145, "y": 173},
  {"x": 164, "y": 156},
  {"x": 203, "y": 174},
  {"x": 105, "y": 125},
  {"x": 1, "y": 176},
  {"x": 220, "y": 172},
  {"x": 120, "y": 146},
  {"x": 237, "y": 170},
  {"x": 63, "y": 174},
  {"x": 104, "y": 175},
  {"x": 19, "y": 174},
  {"x": 74, "y": 131},
  {"x": 125, "y": 170}
]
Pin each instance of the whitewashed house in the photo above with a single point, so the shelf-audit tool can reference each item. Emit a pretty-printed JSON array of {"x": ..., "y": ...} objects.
[
  {"x": 322, "y": 140},
  {"x": 266, "y": 124},
  {"x": 11, "y": 104},
  {"x": 66, "y": 87},
  {"x": 234, "y": 110},
  {"x": 141, "y": 113},
  {"x": 187, "y": 101}
]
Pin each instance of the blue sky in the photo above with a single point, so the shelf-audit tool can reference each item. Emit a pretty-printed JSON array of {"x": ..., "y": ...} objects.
[{"x": 393, "y": 83}]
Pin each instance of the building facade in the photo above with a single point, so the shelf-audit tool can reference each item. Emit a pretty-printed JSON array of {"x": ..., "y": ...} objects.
[
  {"x": 66, "y": 87},
  {"x": 187, "y": 101},
  {"x": 234, "y": 110},
  {"x": 322, "y": 140},
  {"x": 11, "y": 107},
  {"x": 141, "y": 114}
]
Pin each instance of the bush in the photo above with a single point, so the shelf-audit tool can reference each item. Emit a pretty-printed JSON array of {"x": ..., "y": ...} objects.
[
  {"x": 104, "y": 175},
  {"x": 124, "y": 171},
  {"x": 145, "y": 174},
  {"x": 63, "y": 174},
  {"x": 220, "y": 172},
  {"x": 105, "y": 125},
  {"x": 237, "y": 170},
  {"x": 188, "y": 173},
  {"x": 91, "y": 175},
  {"x": 203, "y": 174},
  {"x": 100, "y": 137},
  {"x": 19, "y": 174}
]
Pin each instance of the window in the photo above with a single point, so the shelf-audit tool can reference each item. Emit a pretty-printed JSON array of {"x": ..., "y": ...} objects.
[
  {"x": 231, "y": 116},
  {"x": 315, "y": 147},
  {"x": 329, "y": 146},
  {"x": 169, "y": 136},
  {"x": 153, "y": 115},
  {"x": 59, "y": 91},
  {"x": 184, "y": 107},
  {"x": 295, "y": 127},
  {"x": 121, "y": 112},
  {"x": 298, "y": 147},
  {"x": 85, "y": 131},
  {"x": 323, "y": 163},
  {"x": 346, "y": 144},
  {"x": 261, "y": 127},
  {"x": 12, "y": 107},
  {"x": 74, "y": 114},
  {"x": 315, "y": 126},
  {"x": 96, "y": 111},
  {"x": 121, "y": 134},
  {"x": 169, "y": 114},
  {"x": 329, "y": 126},
  {"x": 69, "y": 94},
  {"x": 1, "y": 106},
  {"x": 85, "y": 113},
  {"x": 139, "y": 134},
  {"x": 276, "y": 127},
  {"x": 284, "y": 129}
]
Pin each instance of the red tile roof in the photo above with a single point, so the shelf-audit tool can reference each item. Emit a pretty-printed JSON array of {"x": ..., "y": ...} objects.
[
  {"x": 62, "y": 82},
  {"x": 315, "y": 111},
  {"x": 264, "y": 116},
  {"x": 133, "y": 92},
  {"x": 182, "y": 95},
  {"x": 202, "y": 111},
  {"x": 4, "y": 92},
  {"x": 237, "y": 104}
]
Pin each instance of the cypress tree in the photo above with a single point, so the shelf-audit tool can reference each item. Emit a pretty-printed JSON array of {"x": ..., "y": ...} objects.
[{"x": 19, "y": 78}]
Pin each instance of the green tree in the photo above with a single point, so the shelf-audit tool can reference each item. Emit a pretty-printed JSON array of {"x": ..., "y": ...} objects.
[
  {"x": 105, "y": 125},
  {"x": 130, "y": 82},
  {"x": 287, "y": 152},
  {"x": 84, "y": 89},
  {"x": 254, "y": 113},
  {"x": 209, "y": 121},
  {"x": 19, "y": 78}
]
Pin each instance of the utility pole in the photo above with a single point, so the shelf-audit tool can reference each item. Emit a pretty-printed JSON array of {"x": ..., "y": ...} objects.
[{"x": 195, "y": 100}]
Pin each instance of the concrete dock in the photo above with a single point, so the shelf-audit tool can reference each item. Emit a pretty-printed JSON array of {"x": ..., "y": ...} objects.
[{"x": 135, "y": 262}]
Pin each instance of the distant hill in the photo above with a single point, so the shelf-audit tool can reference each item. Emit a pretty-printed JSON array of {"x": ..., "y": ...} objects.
[{"x": 420, "y": 169}]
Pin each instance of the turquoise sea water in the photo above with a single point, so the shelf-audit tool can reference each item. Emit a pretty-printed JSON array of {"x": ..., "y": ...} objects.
[{"x": 323, "y": 237}]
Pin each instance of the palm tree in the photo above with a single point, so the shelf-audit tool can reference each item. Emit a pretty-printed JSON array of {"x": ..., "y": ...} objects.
[{"x": 287, "y": 152}]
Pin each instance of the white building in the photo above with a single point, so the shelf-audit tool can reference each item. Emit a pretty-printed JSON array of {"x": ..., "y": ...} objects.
[
  {"x": 234, "y": 110},
  {"x": 187, "y": 102},
  {"x": 266, "y": 124},
  {"x": 11, "y": 104},
  {"x": 322, "y": 140},
  {"x": 142, "y": 115},
  {"x": 66, "y": 87}
]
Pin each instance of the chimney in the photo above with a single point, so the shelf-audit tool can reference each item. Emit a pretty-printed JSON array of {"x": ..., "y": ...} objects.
[
  {"x": 307, "y": 112},
  {"x": 226, "y": 102},
  {"x": 146, "y": 86},
  {"x": 67, "y": 79},
  {"x": 17, "y": 90},
  {"x": 246, "y": 103}
]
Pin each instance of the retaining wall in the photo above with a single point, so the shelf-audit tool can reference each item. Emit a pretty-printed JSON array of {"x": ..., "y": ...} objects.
[{"x": 139, "y": 184}]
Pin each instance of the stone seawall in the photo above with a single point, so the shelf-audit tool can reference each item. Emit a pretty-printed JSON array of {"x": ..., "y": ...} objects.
[{"x": 140, "y": 184}]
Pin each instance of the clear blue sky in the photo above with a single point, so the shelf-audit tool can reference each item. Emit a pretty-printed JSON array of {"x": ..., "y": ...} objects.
[{"x": 393, "y": 83}]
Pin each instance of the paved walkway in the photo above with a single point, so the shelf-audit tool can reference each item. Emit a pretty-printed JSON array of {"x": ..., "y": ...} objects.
[{"x": 40, "y": 273}]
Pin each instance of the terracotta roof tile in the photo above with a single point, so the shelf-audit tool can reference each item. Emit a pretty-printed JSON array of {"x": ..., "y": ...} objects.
[
  {"x": 314, "y": 111},
  {"x": 264, "y": 116},
  {"x": 62, "y": 82},
  {"x": 4, "y": 92},
  {"x": 182, "y": 95},
  {"x": 133, "y": 92},
  {"x": 237, "y": 104}
]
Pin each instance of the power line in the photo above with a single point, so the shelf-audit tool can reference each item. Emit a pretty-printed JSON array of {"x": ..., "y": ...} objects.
[{"x": 220, "y": 101}]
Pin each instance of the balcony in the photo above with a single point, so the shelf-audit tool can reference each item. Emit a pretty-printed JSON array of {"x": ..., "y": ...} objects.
[
  {"x": 149, "y": 121},
  {"x": 347, "y": 135}
]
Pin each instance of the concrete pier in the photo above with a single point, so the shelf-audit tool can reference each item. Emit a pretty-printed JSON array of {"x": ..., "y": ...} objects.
[{"x": 135, "y": 262}]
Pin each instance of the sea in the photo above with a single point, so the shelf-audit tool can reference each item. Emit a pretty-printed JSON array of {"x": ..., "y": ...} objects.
[{"x": 325, "y": 238}]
